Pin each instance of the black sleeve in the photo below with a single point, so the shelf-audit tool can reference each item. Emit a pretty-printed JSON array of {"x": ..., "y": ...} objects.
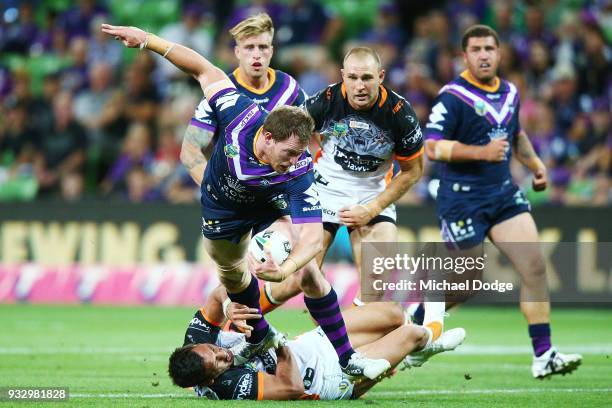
[
  {"x": 408, "y": 135},
  {"x": 317, "y": 106},
  {"x": 238, "y": 383},
  {"x": 200, "y": 330}
]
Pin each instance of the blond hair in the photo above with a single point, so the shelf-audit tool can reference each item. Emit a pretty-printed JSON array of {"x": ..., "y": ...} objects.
[
  {"x": 361, "y": 51},
  {"x": 254, "y": 25}
]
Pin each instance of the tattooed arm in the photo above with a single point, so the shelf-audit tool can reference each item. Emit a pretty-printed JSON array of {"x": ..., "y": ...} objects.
[
  {"x": 196, "y": 142},
  {"x": 524, "y": 153}
]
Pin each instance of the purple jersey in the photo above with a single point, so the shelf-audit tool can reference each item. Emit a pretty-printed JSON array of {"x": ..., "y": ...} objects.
[
  {"x": 475, "y": 115},
  {"x": 237, "y": 182}
]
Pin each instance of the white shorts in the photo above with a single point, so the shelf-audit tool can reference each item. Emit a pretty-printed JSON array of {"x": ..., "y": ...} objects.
[
  {"x": 332, "y": 199},
  {"x": 318, "y": 364}
]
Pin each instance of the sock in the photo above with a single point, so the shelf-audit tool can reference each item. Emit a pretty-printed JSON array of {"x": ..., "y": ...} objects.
[
  {"x": 250, "y": 297},
  {"x": 419, "y": 315},
  {"x": 326, "y": 312},
  {"x": 434, "y": 318},
  {"x": 358, "y": 302},
  {"x": 266, "y": 303},
  {"x": 540, "y": 338}
]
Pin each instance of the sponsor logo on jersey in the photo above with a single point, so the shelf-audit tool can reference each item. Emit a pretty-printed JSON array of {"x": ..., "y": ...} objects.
[
  {"x": 480, "y": 108},
  {"x": 437, "y": 115},
  {"x": 200, "y": 324},
  {"x": 329, "y": 212},
  {"x": 231, "y": 150},
  {"x": 359, "y": 125},
  {"x": 493, "y": 97},
  {"x": 462, "y": 229},
  {"x": 313, "y": 208},
  {"x": 308, "y": 377},
  {"x": 279, "y": 202},
  {"x": 261, "y": 101},
  {"x": 244, "y": 386},
  {"x": 344, "y": 384},
  {"x": 227, "y": 100},
  {"x": 313, "y": 196},
  {"x": 498, "y": 133}
]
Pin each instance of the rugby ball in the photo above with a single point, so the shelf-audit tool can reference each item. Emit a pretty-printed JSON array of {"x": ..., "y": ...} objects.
[{"x": 276, "y": 243}]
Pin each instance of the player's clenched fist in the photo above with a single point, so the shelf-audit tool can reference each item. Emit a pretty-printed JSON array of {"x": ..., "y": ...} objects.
[{"x": 495, "y": 151}]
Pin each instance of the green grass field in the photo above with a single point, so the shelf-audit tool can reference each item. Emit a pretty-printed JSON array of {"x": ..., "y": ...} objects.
[{"x": 118, "y": 356}]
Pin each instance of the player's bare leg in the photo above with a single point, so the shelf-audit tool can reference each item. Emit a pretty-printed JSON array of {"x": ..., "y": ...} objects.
[
  {"x": 528, "y": 262},
  {"x": 322, "y": 303},
  {"x": 535, "y": 305},
  {"x": 241, "y": 288},
  {"x": 379, "y": 232}
]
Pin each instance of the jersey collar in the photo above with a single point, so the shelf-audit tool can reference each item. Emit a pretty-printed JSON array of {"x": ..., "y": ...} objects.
[
  {"x": 382, "y": 95},
  {"x": 487, "y": 88},
  {"x": 259, "y": 131},
  {"x": 271, "y": 80}
]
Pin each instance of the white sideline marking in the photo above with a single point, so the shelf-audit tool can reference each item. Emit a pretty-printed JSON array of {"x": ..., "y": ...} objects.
[
  {"x": 466, "y": 349},
  {"x": 128, "y": 395},
  {"x": 474, "y": 349},
  {"x": 486, "y": 391},
  {"x": 371, "y": 393}
]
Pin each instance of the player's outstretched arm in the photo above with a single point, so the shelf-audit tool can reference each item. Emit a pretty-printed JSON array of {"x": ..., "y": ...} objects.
[
  {"x": 523, "y": 151},
  {"x": 182, "y": 57},
  {"x": 453, "y": 151}
]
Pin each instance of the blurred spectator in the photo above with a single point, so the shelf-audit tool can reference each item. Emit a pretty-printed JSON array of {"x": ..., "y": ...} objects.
[
  {"x": 18, "y": 36},
  {"x": 136, "y": 151},
  {"x": 102, "y": 47},
  {"x": 559, "y": 60},
  {"x": 141, "y": 97},
  {"x": 304, "y": 22},
  {"x": 74, "y": 78},
  {"x": 139, "y": 185},
  {"x": 594, "y": 62},
  {"x": 72, "y": 186},
  {"x": 193, "y": 31},
  {"x": 63, "y": 149},
  {"x": 76, "y": 21}
]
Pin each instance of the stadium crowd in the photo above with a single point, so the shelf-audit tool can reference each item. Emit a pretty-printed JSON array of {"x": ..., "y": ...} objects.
[{"x": 81, "y": 118}]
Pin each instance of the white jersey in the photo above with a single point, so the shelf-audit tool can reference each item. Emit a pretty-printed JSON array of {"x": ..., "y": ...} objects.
[
  {"x": 316, "y": 359},
  {"x": 355, "y": 162}
]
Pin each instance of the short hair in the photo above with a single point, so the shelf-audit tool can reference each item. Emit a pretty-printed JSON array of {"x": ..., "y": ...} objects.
[
  {"x": 186, "y": 367},
  {"x": 361, "y": 51},
  {"x": 285, "y": 121},
  {"x": 254, "y": 25},
  {"x": 478, "y": 30}
]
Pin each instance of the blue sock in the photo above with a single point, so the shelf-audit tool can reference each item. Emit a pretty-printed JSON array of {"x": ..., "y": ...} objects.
[
  {"x": 540, "y": 338},
  {"x": 326, "y": 312},
  {"x": 419, "y": 315},
  {"x": 250, "y": 297}
]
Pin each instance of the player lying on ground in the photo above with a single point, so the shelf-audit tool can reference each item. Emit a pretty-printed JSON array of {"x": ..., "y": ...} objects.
[
  {"x": 304, "y": 368},
  {"x": 259, "y": 175}
]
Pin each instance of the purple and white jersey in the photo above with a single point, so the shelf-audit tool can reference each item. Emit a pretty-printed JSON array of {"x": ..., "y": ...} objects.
[
  {"x": 237, "y": 181},
  {"x": 282, "y": 90},
  {"x": 472, "y": 114}
]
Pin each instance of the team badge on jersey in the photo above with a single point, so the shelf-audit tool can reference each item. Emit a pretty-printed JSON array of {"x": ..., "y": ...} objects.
[
  {"x": 480, "y": 108},
  {"x": 340, "y": 129},
  {"x": 231, "y": 150},
  {"x": 498, "y": 133}
]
